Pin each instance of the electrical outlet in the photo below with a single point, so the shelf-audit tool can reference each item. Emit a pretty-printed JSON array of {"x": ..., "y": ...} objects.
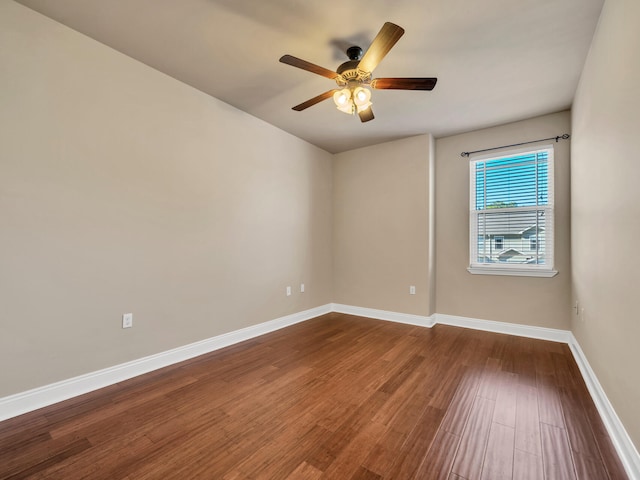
[
  {"x": 302, "y": 288},
  {"x": 288, "y": 291},
  {"x": 127, "y": 320},
  {"x": 412, "y": 290}
]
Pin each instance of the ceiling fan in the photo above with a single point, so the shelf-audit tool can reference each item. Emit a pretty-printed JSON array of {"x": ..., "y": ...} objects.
[{"x": 354, "y": 76}]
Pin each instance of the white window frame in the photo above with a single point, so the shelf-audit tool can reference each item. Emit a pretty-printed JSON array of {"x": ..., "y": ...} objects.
[{"x": 525, "y": 270}]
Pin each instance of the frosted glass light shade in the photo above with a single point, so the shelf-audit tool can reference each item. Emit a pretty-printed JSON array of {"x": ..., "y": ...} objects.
[
  {"x": 362, "y": 97},
  {"x": 342, "y": 99}
]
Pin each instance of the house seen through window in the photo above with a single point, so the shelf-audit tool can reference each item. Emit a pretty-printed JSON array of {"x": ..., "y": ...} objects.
[{"x": 511, "y": 213}]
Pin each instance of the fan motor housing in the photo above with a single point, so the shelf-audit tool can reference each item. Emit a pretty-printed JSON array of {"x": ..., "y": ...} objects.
[
  {"x": 347, "y": 67},
  {"x": 348, "y": 71}
]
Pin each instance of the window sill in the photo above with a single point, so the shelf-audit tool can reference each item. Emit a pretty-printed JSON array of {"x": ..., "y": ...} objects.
[{"x": 515, "y": 272}]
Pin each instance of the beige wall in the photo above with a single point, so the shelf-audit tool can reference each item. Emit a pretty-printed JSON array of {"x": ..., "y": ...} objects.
[
  {"x": 606, "y": 209},
  {"x": 381, "y": 226},
  {"x": 541, "y": 302},
  {"x": 124, "y": 190}
]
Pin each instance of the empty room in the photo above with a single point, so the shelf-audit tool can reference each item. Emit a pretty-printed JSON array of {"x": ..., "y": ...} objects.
[{"x": 281, "y": 239}]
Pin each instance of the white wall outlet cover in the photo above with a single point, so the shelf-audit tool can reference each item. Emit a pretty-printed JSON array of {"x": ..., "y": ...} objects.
[
  {"x": 302, "y": 288},
  {"x": 127, "y": 320},
  {"x": 412, "y": 290},
  {"x": 288, "y": 291}
]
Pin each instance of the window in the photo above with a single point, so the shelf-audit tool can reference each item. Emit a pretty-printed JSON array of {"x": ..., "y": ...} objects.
[{"x": 512, "y": 209}]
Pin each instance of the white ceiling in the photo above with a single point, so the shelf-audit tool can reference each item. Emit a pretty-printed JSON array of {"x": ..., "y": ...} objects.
[{"x": 496, "y": 60}]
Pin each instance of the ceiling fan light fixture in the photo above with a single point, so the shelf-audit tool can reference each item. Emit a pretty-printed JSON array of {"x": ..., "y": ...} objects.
[
  {"x": 342, "y": 99},
  {"x": 362, "y": 96}
]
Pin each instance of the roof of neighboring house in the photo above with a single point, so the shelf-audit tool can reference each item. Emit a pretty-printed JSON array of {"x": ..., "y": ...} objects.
[
  {"x": 510, "y": 252},
  {"x": 532, "y": 227}
]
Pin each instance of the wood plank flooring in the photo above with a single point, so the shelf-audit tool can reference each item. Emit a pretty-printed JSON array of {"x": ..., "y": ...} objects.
[{"x": 337, "y": 397}]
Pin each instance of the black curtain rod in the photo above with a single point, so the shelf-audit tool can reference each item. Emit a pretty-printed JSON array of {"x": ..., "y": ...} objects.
[{"x": 563, "y": 137}]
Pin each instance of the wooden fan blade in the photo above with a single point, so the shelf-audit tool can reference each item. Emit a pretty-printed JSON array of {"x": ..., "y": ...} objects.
[
  {"x": 366, "y": 115},
  {"x": 387, "y": 37},
  {"x": 311, "y": 102},
  {"x": 404, "y": 83},
  {"x": 308, "y": 66}
]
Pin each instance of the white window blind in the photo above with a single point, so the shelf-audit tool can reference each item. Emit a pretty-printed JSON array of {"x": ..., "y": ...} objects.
[{"x": 511, "y": 213}]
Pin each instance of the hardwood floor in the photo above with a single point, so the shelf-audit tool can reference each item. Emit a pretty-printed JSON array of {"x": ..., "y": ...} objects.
[{"x": 337, "y": 397}]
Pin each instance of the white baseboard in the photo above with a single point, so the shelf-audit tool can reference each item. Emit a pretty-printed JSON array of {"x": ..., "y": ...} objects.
[
  {"x": 624, "y": 446},
  {"x": 409, "y": 319},
  {"x": 36, "y": 398},
  {"x": 540, "y": 333}
]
